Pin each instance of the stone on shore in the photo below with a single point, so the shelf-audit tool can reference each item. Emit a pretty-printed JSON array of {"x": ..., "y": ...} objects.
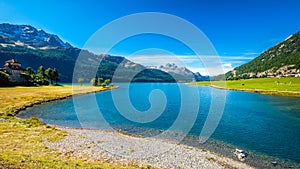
[
  {"x": 240, "y": 154},
  {"x": 119, "y": 148}
]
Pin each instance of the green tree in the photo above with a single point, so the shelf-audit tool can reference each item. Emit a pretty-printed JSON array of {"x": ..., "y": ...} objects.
[
  {"x": 41, "y": 78},
  {"x": 30, "y": 71},
  {"x": 245, "y": 76},
  {"x": 49, "y": 75},
  {"x": 4, "y": 79},
  {"x": 100, "y": 80},
  {"x": 107, "y": 82},
  {"x": 29, "y": 76},
  {"x": 55, "y": 75},
  {"x": 41, "y": 71},
  {"x": 94, "y": 82},
  {"x": 103, "y": 85},
  {"x": 80, "y": 80}
]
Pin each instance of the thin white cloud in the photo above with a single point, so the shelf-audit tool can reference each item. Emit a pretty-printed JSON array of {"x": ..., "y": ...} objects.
[
  {"x": 227, "y": 65},
  {"x": 250, "y": 53}
]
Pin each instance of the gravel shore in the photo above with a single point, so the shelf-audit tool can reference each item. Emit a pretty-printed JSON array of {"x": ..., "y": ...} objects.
[{"x": 116, "y": 147}]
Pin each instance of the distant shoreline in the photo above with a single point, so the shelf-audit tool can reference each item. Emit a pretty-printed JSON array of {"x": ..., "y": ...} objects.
[
  {"x": 269, "y": 92},
  {"x": 270, "y": 86}
]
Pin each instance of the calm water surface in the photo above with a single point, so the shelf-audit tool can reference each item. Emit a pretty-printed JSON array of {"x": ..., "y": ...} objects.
[{"x": 261, "y": 123}]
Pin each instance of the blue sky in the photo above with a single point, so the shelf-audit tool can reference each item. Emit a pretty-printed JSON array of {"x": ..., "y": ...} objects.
[{"x": 239, "y": 29}]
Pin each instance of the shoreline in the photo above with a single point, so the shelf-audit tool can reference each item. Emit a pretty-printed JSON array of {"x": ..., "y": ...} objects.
[
  {"x": 220, "y": 149},
  {"x": 260, "y": 91},
  {"x": 60, "y": 93},
  {"x": 253, "y": 158},
  {"x": 210, "y": 159},
  {"x": 17, "y": 151},
  {"x": 119, "y": 147},
  {"x": 284, "y": 86}
]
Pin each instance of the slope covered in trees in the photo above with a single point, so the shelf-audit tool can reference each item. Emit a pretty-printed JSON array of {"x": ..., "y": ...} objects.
[
  {"x": 281, "y": 60},
  {"x": 64, "y": 60}
]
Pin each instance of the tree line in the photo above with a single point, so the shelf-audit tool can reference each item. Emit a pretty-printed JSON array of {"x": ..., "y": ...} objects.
[
  {"x": 4, "y": 79},
  {"x": 96, "y": 81},
  {"x": 33, "y": 78},
  {"x": 41, "y": 77}
]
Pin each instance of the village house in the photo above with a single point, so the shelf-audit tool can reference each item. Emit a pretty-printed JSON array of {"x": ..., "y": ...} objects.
[{"x": 14, "y": 69}]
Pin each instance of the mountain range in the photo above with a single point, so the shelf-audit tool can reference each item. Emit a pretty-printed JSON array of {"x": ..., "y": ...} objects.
[
  {"x": 282, "y": 60},
  {"x": 33, "y": 47},
  {"x": 26, "y": 35},
  {"x": 181, "y": 74}
]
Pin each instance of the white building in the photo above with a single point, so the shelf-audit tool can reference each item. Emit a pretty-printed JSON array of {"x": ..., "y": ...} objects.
[{"x": 14, "y": 69}]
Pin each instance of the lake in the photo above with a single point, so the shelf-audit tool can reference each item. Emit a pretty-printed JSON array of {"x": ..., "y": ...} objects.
[{"x": 263, "y": 124}]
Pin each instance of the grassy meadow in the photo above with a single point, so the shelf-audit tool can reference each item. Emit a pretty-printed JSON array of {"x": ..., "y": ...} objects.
[
  {"x": 21, "y": 146},
  {"x": 289, "y": 86},
  {"x": 14, "y": 99},
  {"x": 21, "y": 141}
]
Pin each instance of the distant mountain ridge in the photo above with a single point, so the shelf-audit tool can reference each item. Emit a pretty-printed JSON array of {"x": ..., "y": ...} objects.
[
  {"x": 33, "y": 47},
  {"x": 181, "y": 74},
  {"x": 30, "y": 36},
  {"x": 173, "y": 68},
  {"x": 282, "y": 60}
]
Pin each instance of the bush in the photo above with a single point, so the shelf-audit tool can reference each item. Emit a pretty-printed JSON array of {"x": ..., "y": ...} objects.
[
  {"x": 4, "y": 79},
  {"x": 94, "y": 82}
]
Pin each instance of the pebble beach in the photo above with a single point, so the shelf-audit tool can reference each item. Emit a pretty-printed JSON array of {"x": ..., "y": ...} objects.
[{"x": 116, "y": 147}]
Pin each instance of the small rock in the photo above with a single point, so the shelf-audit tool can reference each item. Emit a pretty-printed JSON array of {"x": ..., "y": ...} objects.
[
  {"x": 239, "y": 150},
  {"x": 241, "y": 155},
  {"x": 274, "y": 163}
]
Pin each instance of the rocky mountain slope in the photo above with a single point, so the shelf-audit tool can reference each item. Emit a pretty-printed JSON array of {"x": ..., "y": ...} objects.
[
  {"x": 172, "y": 68},
  {"x": 29, "y": 36},
  {"x": 182, "y": 74},
  {"x": 282, "y": 60},
  {"x": 34, "y": 47}
]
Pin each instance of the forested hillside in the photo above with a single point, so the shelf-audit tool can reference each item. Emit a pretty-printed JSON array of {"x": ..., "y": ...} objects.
[
  {"x": 282, "y": 60},
  {"x": 33, "y": 47}
]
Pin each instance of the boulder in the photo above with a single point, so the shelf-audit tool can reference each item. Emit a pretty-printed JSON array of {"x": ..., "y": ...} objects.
[
  {"x": 239, "y": 151},
  {"x": 240, "y": 154}
]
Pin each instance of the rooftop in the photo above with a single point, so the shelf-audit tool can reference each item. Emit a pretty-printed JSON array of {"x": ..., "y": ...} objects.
[{"x": 12, "y": 61}]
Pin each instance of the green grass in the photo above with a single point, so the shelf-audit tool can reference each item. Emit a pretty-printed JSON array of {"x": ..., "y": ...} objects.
[
  {"x": 14, "y": 99},
  {"x": 277, "y": 86},
  {"x": 21, "y": 146},
  {"x": 21, "y": 141}
]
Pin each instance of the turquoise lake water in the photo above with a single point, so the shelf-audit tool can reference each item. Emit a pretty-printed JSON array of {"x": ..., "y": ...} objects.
[{"x": 264, "y": 124}]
